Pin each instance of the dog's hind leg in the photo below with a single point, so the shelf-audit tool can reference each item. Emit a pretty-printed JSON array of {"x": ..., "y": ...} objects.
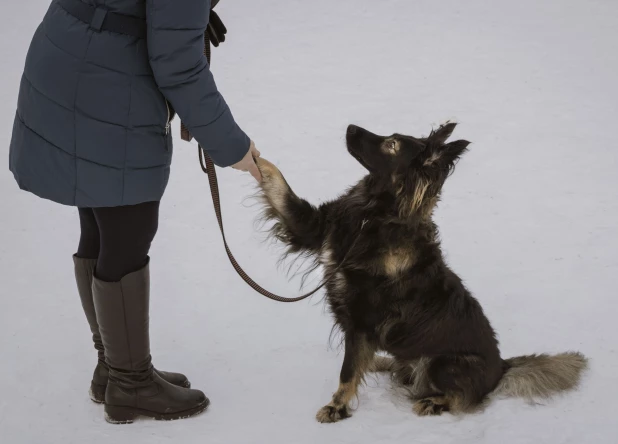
[
  {"x": 457, "y": 384},
  {"x": 359, "y": 355}
]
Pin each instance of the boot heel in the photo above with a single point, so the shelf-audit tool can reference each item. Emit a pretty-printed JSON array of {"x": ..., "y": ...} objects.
[{"x": 119, "y": 414}]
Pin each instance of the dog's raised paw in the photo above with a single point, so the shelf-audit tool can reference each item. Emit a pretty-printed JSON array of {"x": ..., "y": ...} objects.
[
  {"x": 267, "y": 169},
  {"x": 330, "y": 413},
  {"x": 274, "y": 186}
]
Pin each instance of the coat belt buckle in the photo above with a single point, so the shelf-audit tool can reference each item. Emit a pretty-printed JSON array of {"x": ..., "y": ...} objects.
[{"x": 97, "y": 19}]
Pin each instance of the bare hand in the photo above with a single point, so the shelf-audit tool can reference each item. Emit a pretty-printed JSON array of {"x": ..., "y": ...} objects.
[{"x": 248, "y": 163}]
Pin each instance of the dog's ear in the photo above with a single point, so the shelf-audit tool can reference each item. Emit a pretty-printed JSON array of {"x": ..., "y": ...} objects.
[
  {"x": 454, "y": 150},
  {"x": 441, "y": 134}
]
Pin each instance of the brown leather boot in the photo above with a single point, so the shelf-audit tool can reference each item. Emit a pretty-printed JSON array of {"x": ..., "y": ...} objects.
[
  {"x": 134, "y": 388},
  {"x": 84, "y": 270}
]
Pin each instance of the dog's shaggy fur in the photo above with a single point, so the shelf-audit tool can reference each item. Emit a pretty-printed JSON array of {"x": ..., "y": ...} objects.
[{"x": 394, "y": 291}]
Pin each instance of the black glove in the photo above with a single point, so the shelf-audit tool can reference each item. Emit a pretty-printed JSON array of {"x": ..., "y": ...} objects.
[{"x": 216, "y": 29}]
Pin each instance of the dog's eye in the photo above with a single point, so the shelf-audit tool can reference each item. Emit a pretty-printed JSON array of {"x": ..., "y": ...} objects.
[{"x": 390, "y": 147}]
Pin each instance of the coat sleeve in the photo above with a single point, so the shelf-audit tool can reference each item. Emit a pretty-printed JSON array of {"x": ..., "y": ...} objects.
[{"x": 176, "y": 53}]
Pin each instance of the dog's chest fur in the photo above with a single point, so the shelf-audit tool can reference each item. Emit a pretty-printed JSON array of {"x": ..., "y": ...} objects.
[{"x": 378, "y": 270}]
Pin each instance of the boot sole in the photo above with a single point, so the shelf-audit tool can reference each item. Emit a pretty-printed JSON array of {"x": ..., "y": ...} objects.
[
  {"x": 126, "y": 415},
  {"x": 97, "y": 392}
]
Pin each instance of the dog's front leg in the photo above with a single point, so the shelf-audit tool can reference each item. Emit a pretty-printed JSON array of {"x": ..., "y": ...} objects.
[
  {"x": 359, "y": 355},
  {"x": 297, "y": 223}
]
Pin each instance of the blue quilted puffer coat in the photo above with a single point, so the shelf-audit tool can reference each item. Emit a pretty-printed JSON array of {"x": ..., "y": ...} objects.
[{"x": 92, "y": 122}]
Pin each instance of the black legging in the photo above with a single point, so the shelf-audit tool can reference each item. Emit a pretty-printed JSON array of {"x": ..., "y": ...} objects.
[{"x": 118, "y": 237}]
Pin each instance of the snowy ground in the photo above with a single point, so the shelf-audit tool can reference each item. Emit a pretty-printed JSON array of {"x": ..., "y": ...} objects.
[{"x": 529, "y": 221}]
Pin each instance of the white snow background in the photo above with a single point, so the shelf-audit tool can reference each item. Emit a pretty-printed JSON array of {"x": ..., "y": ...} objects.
[{"x": 528, "y": 220}]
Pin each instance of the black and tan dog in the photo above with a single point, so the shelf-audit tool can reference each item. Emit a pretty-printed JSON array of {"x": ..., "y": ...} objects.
[{"x": 394, "y": 291}]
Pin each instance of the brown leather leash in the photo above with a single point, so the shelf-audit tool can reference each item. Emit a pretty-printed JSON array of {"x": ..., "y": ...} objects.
[{"x": 208, "y": 167}]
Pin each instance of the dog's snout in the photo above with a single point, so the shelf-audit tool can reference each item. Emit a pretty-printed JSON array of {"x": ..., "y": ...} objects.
[{"x": 352, "y": 129}]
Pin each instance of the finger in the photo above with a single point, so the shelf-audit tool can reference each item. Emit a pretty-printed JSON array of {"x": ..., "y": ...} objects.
[
  {"x": 254, "y": 150},
  {"x": 218, "y": 23},
  {"x": 255, "y": 172},
  {"x": 214, "y": 37}
]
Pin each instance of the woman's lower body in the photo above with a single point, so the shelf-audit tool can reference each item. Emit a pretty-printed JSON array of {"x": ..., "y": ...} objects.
[
  {"x": 113, "y": 280},
  {"x": 118, "y": 238}
]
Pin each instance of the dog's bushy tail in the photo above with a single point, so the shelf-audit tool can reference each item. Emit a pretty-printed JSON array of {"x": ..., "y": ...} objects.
[{"x": 541, "y": 376}]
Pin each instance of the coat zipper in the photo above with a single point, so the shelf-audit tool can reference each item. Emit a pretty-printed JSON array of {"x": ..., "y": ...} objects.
[{"x": 169, "y": 119}]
